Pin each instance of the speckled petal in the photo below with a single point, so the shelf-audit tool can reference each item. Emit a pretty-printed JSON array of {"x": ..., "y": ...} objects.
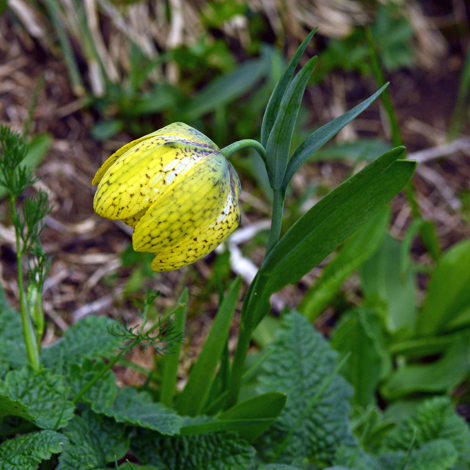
[
  {"x": 194, "y": 202},
  {"x": 180, "y": 130},
  {"x": 134, "y": 220},
  {"x": 170, "y": 133},
  {"x": 201, "y": 241},
  {"x": 142, "y": 174}
]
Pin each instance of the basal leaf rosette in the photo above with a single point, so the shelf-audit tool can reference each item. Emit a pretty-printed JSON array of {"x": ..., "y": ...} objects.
[{"x": 176, "y": 189}]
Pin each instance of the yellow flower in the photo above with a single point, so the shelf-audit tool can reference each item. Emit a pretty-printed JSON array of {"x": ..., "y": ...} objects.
[{"x": 176, "y": 189}]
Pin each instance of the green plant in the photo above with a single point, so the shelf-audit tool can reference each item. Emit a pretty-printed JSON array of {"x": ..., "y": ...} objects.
[{"x": 288, "y": 409}]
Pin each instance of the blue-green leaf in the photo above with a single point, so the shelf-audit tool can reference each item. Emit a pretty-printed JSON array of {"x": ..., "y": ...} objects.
[
  {"x": 328, "y": 224},
  {"x": 227, "y": 88},
  {"x": 361, "y": 246},
  {"x": 448, "y": 293},
  {"x": 319, "y": 137},
  {"x": 279, "y": 140},
  {"x": 277, "y": 95},
  {"x": 440, "y": 376},
  {"x": 387, "y": 288},
  {"x": 354, "y": 335}
]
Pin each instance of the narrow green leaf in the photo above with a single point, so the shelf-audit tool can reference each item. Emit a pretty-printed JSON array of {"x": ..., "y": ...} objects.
[
  {"x": 171, "y": 361},
  {"x": 427, "y": 346},
  {"x": 279, "y": 140},
  {"x": 266, "y": 407},
  {"x": 356, "y": 251},
  {"x": 326, "y": 225},
  {"x": 275, "y": 100},
  {"x": 193, "y": 397},
  {"x": 387, "y": 289},
  {"x": 440, "y": 376},
  {"x": 363, "y": 370},
  {"x": 319, "y": 137},
  {"x": 448, "y": 292},
  {"x": 226, "y": 89}
]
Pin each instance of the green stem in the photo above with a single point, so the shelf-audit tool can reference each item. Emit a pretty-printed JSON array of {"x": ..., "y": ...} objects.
[
  {"x": 247, "y": 322},
  {"x": 115, "y": 360},
  {"x": 276, "y": 223},
  {"x": 241, "y": 144},
  {"x": 238, "y": 364},
  {"x": 29, "y": 337}
]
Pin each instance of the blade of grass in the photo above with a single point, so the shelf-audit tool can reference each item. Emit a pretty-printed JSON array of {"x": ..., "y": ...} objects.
[
  {"x": 461, "y": 105},
  {"x": 427, "y": 231},
  {"x": 69, "y": 57},
  {"x": 170, "y": 367},
  {"x": 193, "y": 397}
]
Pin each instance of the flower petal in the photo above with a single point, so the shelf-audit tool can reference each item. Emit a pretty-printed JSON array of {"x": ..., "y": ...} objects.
[
  {"x": 142, "y": 174},
  {"x": 202, "y": 241},
  {"x": 193, "y": 202},
  {"x": 170, "y": 133}
]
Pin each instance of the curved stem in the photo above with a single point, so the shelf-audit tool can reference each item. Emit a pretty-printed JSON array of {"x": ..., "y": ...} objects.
[{"x": 241, "y": 144}]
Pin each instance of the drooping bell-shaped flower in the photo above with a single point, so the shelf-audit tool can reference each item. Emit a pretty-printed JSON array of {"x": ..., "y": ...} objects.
[{"x": 176, "y": 189}]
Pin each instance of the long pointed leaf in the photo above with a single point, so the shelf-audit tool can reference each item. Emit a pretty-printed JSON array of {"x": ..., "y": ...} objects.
[
  {"x": 324, "y": 227},
  {"x": 319, "y": 137},
  {"x": 278, "y": 146},
  {"x": 194, "y": 395},
  {"x": 278, "y": 93}
]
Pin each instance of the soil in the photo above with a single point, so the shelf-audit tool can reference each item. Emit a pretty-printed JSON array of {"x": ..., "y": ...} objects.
[{"x": 87, "y": 276}]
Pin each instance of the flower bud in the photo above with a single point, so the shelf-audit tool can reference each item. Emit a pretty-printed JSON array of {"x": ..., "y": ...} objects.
[{"x": 176, "y": 189}]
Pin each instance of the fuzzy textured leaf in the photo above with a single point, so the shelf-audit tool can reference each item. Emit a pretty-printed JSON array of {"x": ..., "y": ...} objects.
[
  {"x": 12, "y": 348},
  {"x": 89, "y": 338},
  {"x": 438, "y": 454},
  {"x": 299, "y": 364},
  {"x": 103, "y": 393},
  {"x": 137, "y": 408},
  {"x": 434, "y": 419},
  {"x": 10, "y": 320},
  {"x": 214, "y": 451},
  {"x": 27, "y": 451},
  {"x": 39, "y": 397},
  {"x": 94, "y": 441}
]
